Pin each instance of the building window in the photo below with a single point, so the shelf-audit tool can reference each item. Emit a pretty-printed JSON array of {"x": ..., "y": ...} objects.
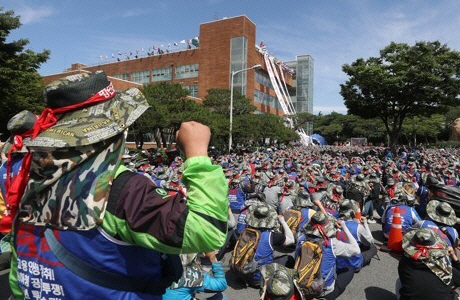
[
  {"x": 141, "y": 77},
  {"x": 263, "y": 79},
  {"x": 122, "y": 76},
  {"x": 238, "y": 61},
  {"x": 162, "y": 74},
  {"x": 187, "y": 71},
  {"x": 193, "y": 89},
  {"x": 263, "y": 98}
]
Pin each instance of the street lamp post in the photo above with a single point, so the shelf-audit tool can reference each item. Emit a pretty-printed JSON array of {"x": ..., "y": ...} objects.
[{"x": 231, "y": 101}]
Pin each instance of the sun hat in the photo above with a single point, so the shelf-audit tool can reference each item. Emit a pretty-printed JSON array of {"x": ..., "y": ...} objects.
[
  {"x": 302, "y": 199},
  {"x": 86, "y": 114},
  {"x": 280, "y": 285},
  {"x": 441, "y": 212},
  {"x": 321, "y": 225},
  {"x": 84, "y": 109},
  {"x": 425, "y": 245},
  {"x": 261, "y": 215},
  {"x": 348, "y": 208}
]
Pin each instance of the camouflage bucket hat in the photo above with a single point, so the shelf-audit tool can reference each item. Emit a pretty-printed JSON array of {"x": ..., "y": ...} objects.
[
  {"x": 91, "y": 123},
  {"x": 303, "y": 200},
  {"x": 280, "y": 285},
  {"x": 261, "y": 215},
  {"x": 321, "y": 225},
  {"x": 425, "y": 245},
  {"x": 348, "y": 208},
  {"x": 441, "y": 212}
]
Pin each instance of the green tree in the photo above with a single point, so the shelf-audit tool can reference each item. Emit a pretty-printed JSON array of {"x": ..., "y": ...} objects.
[
  {"x": 428, "y": 128},
  {"x": 301, "y": 120},
  {"x": 169, "y": 108},
  {"x": 452, "y": 115},
  {"x": 403, "y": 81},
  {"x": 20, "y": 83},
  {"x": 218, "y": 101}
]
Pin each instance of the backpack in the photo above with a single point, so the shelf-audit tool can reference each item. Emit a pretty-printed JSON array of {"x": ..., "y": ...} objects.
[
  {"x": 356, "y": 193},
  {"x": 242, "y": 261},
  {"x": 307, "y": 264},
  {"x": 292, "y": 217}
]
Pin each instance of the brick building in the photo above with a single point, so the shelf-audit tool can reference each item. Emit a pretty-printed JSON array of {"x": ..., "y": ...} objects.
[{"x": 225, "y": 46}]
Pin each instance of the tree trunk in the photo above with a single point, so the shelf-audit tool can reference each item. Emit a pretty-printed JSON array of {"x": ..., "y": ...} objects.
[
  {"x": 163, "y": 138},
  {"x": 157, "y": 137}
]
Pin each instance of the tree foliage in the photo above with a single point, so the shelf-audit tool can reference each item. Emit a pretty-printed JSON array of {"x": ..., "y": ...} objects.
[
  {"x": 169, "y": 107},
  {"x": 423, "y": 128},
  {"x": 20, "y": 83},
  {"x": 218, "y": 101},
  {"x": 403, "y": 81}
]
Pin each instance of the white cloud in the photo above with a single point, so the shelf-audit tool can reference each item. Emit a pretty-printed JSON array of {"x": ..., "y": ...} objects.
[{"x": 31, "y": 15}]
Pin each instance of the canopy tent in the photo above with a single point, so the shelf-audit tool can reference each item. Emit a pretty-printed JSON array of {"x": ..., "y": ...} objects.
[{"x": 318, "y": 139}]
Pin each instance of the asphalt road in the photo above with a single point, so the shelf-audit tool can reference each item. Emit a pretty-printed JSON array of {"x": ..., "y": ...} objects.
[{"x": 374, "y": 282}]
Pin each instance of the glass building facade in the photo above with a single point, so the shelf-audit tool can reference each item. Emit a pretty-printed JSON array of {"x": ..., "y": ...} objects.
[{"x": 238, "y": 61}]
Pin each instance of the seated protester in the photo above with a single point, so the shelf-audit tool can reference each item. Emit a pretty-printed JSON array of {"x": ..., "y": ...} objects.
[
  {"x": 409, "y": 216},
  {"x": 425, "y": 270},
  {"x": 323, "y": 227},
  {"x": 307, "y": 207},
  {"x": 241, "y": 219},
  {"x": 278, "y": 283},
  {"x": 373, "y": 198},
  {"x": 334, "y": 195},
  {"x": 358, "y": 189},
  {"x": 361, "y": 234},
  {"x": 320, "y": 196},
  {"x": 394, "y": 189},
  {"x": 422, "y": 196},
  {"x": 235, "y": 196},
  {"x": 195, "y": 280},
  {"x": 440, "y": 218},
  {"x": 286, "y": 196},
  {"x": 272, "y": 192},
  {"x": 265, "y": 219},
  {"x": 303, "y": 203}
]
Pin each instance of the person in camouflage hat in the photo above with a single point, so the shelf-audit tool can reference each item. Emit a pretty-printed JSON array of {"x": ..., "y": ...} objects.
[
  {"x": 323, "y": 229},
  {"x": 195, "y": 280},
  {"x": 441, "y": 219},
  {"x": 321, "y": 225},
  {"x": 408, "y": 214},
  {"x": 278, "y": 283},
  {"x": 80, "y": 201},
  {"x": 261, "y": 216},
  {"x": 425, "y": 270},
  {"x": 361, "y": 233},
  {"x": 441, "y": 212}
]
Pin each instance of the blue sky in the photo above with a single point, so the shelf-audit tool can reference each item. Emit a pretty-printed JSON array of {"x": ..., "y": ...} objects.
[{"x": 332, "y": 32}]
